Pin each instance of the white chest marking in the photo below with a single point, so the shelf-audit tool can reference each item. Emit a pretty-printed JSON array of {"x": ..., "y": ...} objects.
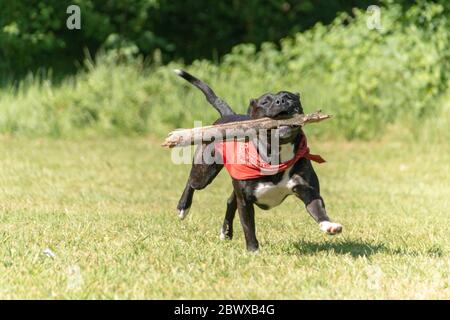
[{"x": 271, "y": 195}]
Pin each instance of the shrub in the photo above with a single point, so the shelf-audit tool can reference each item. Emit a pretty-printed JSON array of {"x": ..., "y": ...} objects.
[
  {"x": 367, "y": 79},
  {"x": 33, "y": 33}
]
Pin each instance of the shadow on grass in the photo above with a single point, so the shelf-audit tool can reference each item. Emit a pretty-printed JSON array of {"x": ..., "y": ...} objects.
[{"x": 355, "y": 249}]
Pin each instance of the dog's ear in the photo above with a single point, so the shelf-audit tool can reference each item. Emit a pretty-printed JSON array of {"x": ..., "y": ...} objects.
[{"x": 253, "y": 105}]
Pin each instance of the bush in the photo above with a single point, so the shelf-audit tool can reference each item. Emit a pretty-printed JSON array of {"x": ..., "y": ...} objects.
[
  {"x": 33, "y": 33},
  {"x": 367, "y": 79}
]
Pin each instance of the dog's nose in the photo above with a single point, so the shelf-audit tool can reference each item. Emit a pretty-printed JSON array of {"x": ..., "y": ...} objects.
[{"x": 280, "y": 102}]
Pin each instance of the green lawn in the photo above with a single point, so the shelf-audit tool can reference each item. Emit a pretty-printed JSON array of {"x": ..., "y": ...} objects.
[{"x": 106, "y": 209}]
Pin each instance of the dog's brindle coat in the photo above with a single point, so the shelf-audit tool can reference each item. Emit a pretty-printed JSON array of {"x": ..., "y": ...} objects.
[{"x": 267, "y": 191}]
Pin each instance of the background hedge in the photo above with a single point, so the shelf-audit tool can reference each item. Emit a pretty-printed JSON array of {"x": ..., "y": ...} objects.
[{"x": 33, "y": 33}]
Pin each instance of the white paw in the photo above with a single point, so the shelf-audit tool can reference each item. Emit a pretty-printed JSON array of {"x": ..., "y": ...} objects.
[
  {"x": 330, "y": 227},
  {"x": 183, "y": 213},
  {"x": 224, "y": 234}
]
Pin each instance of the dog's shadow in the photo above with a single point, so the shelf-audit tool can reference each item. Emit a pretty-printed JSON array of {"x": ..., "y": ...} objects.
[{"x": 354, "y": 248}]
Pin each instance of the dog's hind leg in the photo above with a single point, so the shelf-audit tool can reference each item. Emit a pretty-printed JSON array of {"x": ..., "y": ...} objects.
[
  {"x": 201, "y": 175},
  {"x": 247, "y": 216},
  {"x": 185, "y": 202},
  {"x": 227, "y": 228}
]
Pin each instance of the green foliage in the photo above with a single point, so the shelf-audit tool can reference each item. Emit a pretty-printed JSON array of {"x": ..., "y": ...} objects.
[
  {"x": 33, "y": 33},
  {"x": 375, "y": 77},
  {"x": 367, "y": 79}
]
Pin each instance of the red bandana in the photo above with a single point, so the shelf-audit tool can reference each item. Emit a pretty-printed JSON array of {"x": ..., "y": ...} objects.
[{"x": 243, "y": 161}]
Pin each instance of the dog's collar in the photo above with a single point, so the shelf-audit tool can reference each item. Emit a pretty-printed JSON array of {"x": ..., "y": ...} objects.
[{"x": 243, "y": 161}]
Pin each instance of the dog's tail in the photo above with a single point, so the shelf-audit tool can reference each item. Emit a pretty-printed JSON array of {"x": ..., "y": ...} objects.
[{"x": 220, "y": 105}]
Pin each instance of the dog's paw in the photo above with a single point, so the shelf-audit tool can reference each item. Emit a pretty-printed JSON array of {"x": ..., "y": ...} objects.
[
  {"x": 330, "y": 227},
  {"x": 225, "y": 235},
  {"x": 222, "y": 236},
  {"x": 253, "y": 249},
  {"x": 182, "y": 213}
]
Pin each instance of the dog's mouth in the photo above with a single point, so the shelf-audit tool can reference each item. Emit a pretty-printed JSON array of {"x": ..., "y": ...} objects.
[
  {"x": 283, "y": 115},
  {"x": 287, "y": 132}
]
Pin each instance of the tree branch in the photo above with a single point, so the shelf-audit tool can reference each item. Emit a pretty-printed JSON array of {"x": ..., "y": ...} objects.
[{"x": 239, "y": 130}]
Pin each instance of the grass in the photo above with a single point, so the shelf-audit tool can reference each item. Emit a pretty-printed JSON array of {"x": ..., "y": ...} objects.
[{"x": 106, "y": 208}]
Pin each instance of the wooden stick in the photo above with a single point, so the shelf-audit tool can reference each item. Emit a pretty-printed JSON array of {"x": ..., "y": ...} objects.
[{"x": 186, "y": 137}]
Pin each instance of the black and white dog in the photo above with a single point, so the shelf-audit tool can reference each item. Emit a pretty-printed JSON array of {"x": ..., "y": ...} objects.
[{"x": 265, "y": 191}]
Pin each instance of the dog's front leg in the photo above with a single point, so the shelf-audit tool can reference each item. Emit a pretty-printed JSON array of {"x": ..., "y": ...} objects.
[
  {"x": 247, "y": 217},
  {"x": 308, "y": 190}
]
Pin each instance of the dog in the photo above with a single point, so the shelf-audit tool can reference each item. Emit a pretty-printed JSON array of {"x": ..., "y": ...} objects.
[{"x": 266, "y": 191}]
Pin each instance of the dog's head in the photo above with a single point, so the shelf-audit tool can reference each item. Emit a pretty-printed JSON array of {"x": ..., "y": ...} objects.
[
  {"x": 280, "y": 105},
  {"x": 283, "y": 104}
]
